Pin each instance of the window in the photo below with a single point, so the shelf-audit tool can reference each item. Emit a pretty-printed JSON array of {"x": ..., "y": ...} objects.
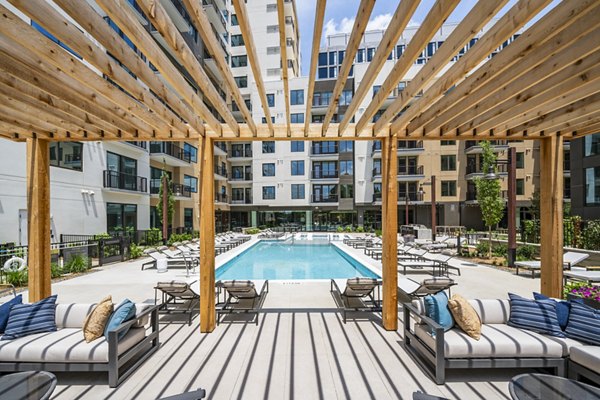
[
  {"x": 297, "y": 97},
  {"x": 360, "y": 56},
  {"x": 347, "y": 191},
  {"x": 332, "y": 58},
  {"x": 448, "y": 188},
  {"x": 322, "y": 59},
  {"x": 272, "y": 28},
  {"x": 241, "y": 81},
  {"x": 377, "y": 167},
  {"x": 273, "y": 50},
  {"x": 297, "y": 146},
  {"x": 234, "y": 20},
  {"x": 592, "y": 145},
  {"x": 268, "y": 192},
  {"x": 370, "y": 53},
  {"x": 592, "y": 184},
  {"x": 237, "y": 40},
  {"x": 119, "y": 217},
  {"x": 520, "y": 161},
  {"x": 346, "y": 146},
  {"x": 191, "y": 152},
  {"x": 271, "y": 99},
  {"x": 448, "y": 142},
  {"x": 239, "y": 61},
  {"x": 448, "y": 162},
  {"x": 520, "y": 187},
  {"x": 341, "y": 54},
  {"x": 264, "y": 120},
  {"x": 297, "y": 167},
  {"x": 268, "y": 147},
  {"x": 121, "y": 164},
  {"x": 399, "y": 50},
  {"x": 333, "y": 72},
  {"x": 347, "y": 167},
  {"x": 297, "y": 118},
  {"x": 268, "y": 169},
  {"x": 345, "y": 98},
  {"x": 192, "y": 182},
  {"x": 54, "y": 39},
  {"x": 324, "y": 169},
  {"x": 322, "y": 73},
  {"x": 272, "y": 7},
  {"x": 298, "y": 191},
  {"x": 188, "y": 218},
  {"x": 67, "y": 155}
]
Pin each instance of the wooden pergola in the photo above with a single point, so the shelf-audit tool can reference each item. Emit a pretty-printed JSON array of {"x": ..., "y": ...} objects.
[{"x": 543, "y": 86}]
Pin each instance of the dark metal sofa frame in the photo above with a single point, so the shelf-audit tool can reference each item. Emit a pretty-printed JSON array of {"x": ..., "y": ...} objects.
[
  {"x": 435, "y": 364},
  {"x": 576, "y": 371},
  {"x": 119, "y": 367}
]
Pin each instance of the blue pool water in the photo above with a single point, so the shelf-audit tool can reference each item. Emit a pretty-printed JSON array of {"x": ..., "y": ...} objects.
[{"x": 271, "y": 260}]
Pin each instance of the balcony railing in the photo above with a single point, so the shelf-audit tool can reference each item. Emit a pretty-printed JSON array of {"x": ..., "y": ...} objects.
[
  {"x": 478, "y": 169},
  {"x": 473, "y": 143},
  {"x": 143, "y": 145},
  {"x": 118, "y": 180},
  {"x": 412, "y": 196},
  {"x": 319, "y": 198},
  {"x": 377, "y": 197},
  {"x": 247, "y": 176},
  {"x": 170, "y": 149},
  {"x": 222, "y": 146},
  {"x": 247, "y": 200},
  {"x": 178, "y": 189},
  {"x": 320, "y": 148},
  {"x": 410, "y": 144},
  {"x": 246, "y": 153},
  {"x": 410, "y": 170},
  {"x": 320, "y": 174},
  {"x": 219, "y": 170},
  {"x": 221, "y": 197},
  {"x": 376, "y": 172}
]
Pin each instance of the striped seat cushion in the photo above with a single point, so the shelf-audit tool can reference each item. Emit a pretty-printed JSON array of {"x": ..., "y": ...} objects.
[
  {"x": 584, "y": 324},
  {"x": 534, "y": 315},
  {"x": 27, "y": 319}
]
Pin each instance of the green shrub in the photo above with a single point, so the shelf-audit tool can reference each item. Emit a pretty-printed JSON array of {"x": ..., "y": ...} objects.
[
  {"x": 360, "y": 229},
  {"x": 55, "y": 270},
  {"x": 349, "y": 228},
  {"x": 77, "y": 264},
  {"x": 378, "y": 232},
  {"x": 153, "y": 237},
  {"x": 179, "y": 237},
  {"x": 103, "y": 235},
  {"x": 252, "y": 231},
  {"x": 135, "y": 251},
  {"x": 340, "y": 229},
  {"x": 17, "y": 278},
  {"x": 483, "y": 248},
  {"x": 499, "y": 250},
  {"x": 525, "y": 252}
]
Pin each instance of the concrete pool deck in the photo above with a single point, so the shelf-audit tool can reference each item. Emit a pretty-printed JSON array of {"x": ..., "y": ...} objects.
[{"x": 300, "y": 347}]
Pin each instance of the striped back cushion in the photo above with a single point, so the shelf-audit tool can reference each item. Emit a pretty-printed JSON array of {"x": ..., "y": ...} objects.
[
  {"x": 534, "y": 315},
  {"x": 584, "y": 323},
  {"x": 27, "y": 319}
]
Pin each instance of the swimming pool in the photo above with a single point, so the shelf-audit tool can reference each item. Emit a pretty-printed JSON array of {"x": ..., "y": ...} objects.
[{"x": 272, "y": 260}]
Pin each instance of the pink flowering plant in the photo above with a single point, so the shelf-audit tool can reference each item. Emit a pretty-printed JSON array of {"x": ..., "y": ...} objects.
[{"x": 585, "y": 291}]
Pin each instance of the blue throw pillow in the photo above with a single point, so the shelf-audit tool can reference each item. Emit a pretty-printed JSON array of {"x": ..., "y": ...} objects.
[
  {"x": 5, "y": 311},
  {"x": 123, "y": 313},
  {"x": 534, "y": 315},
  {"x": 584, "y": 324},
  {"x": 562, "y": 309},
  {"x": 28, "y": 319},
  {"x": 436, "y": 308}
]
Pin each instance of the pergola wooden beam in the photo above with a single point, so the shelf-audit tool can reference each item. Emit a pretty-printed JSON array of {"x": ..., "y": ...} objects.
[
  {"x": 159, "y": 18},
  {"x": 434, "y": 20},
  {"x": 123, "y": 15},
  {"x": 314, "y": 59},
  {"x": 95, "y": 25},
  {"x": 244, "y": 23},
  {"x": 358, "y": 29},
  {"x": 284, "y": 61},
  {"x": 398, "y": 23},
  {"x": 480, "y": 14},
  {"x": 506, "y": 26},
  {"x": 204, "y": 27},
  {"x": 558, "y": 30}
]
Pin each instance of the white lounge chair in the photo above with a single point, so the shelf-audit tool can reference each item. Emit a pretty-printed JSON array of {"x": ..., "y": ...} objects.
[
  {"x": 412, "y": 288},
  {"x": 570, "y": 259}
]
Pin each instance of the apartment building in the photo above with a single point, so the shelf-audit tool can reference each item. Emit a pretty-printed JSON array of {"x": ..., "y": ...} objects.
[{"x": 584, "y": 179}]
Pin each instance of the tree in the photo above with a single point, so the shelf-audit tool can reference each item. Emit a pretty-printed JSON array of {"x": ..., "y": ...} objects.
[
  {"x": 489, "y": 194},
  {"x": 165, "y": 180}
]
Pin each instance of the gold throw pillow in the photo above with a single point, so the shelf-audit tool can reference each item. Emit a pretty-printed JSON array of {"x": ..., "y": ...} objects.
[
  {"x": 465, "y": 316},
  {"x": 93, "y": 326}
]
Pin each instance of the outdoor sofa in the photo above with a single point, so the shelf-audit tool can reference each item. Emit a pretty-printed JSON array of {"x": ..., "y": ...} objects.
[
  {"x": 585, "y": 361},
  {"x": 500, "y": 346},
  {"x": 65, "y": 350}
]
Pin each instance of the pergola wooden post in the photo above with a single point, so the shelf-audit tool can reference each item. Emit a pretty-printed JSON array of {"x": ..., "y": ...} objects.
[
  {"x": 207, "y": 237},
  {"x": 551, "y": 210},
  {"x": 389, "y": 218},
  {"x": 38, "y": 218}
]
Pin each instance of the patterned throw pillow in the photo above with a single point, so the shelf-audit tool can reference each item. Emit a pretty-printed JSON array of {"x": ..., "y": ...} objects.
[
  {"x": 562, "y": 309},
  {"x": 584, "y": 324},
  {"x": 534, "y": 315},
  {"x": 93, "y": 326},
  {"x": 5, "y": 311},
  {"x": 465, "y": 316},
  {"x": 28, "y": 319}
]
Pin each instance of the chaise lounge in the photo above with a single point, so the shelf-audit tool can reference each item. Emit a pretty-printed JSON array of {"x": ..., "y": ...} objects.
[{"x": 357, "y": 294}]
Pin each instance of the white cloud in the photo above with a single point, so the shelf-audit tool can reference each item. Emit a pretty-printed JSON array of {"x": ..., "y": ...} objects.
[{"x": 378, "y": 22}]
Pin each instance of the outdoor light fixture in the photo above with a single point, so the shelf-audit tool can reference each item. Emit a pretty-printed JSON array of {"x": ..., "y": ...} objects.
[{"x": 491, "y": 175}]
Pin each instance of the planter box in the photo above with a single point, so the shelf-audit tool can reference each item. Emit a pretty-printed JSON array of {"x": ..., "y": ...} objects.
[{"x": 588, "y": 302}]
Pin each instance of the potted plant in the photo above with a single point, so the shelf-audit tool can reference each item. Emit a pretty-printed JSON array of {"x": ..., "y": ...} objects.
[{"x": 589, "y": 293}]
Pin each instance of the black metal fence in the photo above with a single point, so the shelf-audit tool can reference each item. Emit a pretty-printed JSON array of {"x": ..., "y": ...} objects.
[{"x": 577, "y": 233}]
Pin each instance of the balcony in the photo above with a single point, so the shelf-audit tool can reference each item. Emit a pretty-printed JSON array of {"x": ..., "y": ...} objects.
[
  {"x": 215, "y": 16},
  {"x": 238, "y": 201},
  {"x": 220, "y": 149},
  {"x": 176, "y": 156},
  {"x": 473, "y": 146},
  {"x": 220, "y": 172},
  {"x": 377, "y": 197},
  {"x": 319, "y": 198},
  {"x": 120, "y": 181},
  {"x": 141, "y": 145},
  {"x": 320, "y": 174},
  {"x": 474, "y": 171},
  {"x": 236, "y": 153},
  {"x": 178, "y": 189},
  {"x": 471, "y": 195},
  {"x": 241, "y": 177},
  {"x": 221, "y": 198},
  {"x": 410, "y": 147},
  {"x": 324, "y": 148}
]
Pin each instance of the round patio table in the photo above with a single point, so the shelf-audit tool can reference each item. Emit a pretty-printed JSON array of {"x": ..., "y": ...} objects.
[
  {"x": 31, "y": 385},
  {"x": 550, "y": 387}
]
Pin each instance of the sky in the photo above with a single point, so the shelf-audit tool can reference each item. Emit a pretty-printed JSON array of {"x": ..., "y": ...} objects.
[{"x": 340, "y": 14}]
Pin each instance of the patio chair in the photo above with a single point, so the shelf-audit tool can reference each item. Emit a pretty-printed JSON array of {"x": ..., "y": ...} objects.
[
  {"x": 175, "y": 294},
  {"x": 241, "y": 297},
  {"x": 429, "y": 260},
  {"x": 570, "y": 259},
  {"x": 413, "y": 289},
  {"x": 357, "y": 294},
  {"x": 173, "y": 262}
]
